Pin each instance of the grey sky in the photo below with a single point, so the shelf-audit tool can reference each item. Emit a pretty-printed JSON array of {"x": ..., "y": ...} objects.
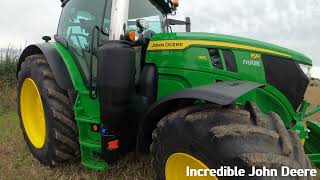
[{"x": 290, "y": 23}]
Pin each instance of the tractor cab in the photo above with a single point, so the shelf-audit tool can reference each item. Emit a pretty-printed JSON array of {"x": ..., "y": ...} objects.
[
  {"x": 108, "y": 40},
  {"x": 85, "y": 26},
  {"x": 83, "y": 22}
]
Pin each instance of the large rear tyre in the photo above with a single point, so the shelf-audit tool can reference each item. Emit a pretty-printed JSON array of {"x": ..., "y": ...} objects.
[
  {"x": 45, "y": 113},
  {"x": 204, "y": 136}
]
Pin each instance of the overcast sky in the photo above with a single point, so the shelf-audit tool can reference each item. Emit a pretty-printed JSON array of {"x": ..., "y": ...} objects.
[{"x": 290, "y": 23}]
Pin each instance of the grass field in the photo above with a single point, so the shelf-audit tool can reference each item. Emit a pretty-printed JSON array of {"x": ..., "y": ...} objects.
[
  {"x": 313, "y": 95},
  {"x": 16, "y": 162}
]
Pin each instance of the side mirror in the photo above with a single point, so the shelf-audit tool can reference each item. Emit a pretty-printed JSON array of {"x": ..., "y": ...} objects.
[
  {"x": 175, "y": 22},
  {"x": 142, "y": 24}
]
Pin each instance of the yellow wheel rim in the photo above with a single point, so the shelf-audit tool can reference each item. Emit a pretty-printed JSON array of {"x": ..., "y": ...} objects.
[
  {"x": 32, "y": 113},
  {"x": 176, "y": 167}
]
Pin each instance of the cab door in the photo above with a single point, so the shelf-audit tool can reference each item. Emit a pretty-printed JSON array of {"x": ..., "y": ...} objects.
[{"x": 76, "y": 27}]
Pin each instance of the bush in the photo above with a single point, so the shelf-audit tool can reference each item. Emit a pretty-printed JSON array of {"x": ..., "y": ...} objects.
[
  {"x": 7, "y": 73},
  {"x": 8, "y": 61}
]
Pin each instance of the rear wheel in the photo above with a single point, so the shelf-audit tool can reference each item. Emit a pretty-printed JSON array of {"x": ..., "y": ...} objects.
[
  {"x": 45, "y": 112},
  {"x": 204, "y": 136}
]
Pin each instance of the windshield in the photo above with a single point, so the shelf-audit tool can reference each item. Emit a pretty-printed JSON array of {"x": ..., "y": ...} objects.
[{"x": 144, "y": 9}]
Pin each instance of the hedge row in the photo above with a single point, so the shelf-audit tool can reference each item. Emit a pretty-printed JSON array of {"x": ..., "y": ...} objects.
[{"x": 8, "y": 61}]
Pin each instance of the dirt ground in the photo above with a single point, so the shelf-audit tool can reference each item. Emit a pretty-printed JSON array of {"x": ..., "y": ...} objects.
[
  {"x": 16, "y": 162},
  {"x": 313, "y": 95}
]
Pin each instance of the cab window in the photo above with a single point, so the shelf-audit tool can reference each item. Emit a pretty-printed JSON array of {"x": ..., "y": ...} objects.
[
  {"x": 76, "y": 23},
  {"x": 144, "y": 9}
]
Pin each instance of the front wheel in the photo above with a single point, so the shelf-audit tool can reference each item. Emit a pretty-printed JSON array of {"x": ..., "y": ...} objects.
[
  {"x": 46, "y": 115},
  {"x": 206, "y": 137}
]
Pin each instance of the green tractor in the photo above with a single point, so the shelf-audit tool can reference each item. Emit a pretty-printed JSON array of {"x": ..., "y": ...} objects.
[{"x": 117, "y": 80}]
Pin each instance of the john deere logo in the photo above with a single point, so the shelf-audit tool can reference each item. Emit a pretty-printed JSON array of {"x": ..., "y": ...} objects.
[{"x": 166, "y": 45}]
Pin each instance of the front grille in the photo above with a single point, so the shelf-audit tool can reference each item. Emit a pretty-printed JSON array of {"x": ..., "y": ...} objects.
[
  {"x": 286, "y": 75},
  {"x": 230, "y": 61},
  {"x": 215, "y": 58}
]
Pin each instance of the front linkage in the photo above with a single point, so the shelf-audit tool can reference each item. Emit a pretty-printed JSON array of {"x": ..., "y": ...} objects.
[{"x": 309, "y": 135}]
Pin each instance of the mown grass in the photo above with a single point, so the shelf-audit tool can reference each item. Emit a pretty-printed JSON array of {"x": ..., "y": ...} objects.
[
  {"x": 16, "y": 162},
  {"x": 313, "y": 95}
]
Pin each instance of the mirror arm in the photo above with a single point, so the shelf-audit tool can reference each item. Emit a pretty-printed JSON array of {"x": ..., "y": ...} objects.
[
  {"x": 188, "y": 24},
  {"x": 175, "y": 22},
  {"x": 179, "y": 22}
]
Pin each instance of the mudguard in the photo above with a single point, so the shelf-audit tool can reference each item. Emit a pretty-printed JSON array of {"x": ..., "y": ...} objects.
[
  {"x": 221, "y": 93},
  {"x": 55, "y": 61}
]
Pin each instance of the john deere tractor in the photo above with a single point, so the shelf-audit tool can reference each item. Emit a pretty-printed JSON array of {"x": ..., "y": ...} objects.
[{"x": 117, "y": 79}]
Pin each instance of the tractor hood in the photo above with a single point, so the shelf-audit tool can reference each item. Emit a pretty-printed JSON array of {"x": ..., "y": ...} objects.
[{"x": 176, "y": 41}]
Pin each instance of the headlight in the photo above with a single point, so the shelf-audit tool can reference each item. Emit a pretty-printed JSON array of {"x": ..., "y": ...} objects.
[{"x": 306, "y": 69}]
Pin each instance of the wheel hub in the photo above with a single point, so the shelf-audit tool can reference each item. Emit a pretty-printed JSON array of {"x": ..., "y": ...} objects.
[
  {"x": 33, "y": 116},
  {"x": 176, "y": 167}
]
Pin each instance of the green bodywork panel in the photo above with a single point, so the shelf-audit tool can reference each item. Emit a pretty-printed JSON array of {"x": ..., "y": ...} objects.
[
  {"x": 232, "y": 39},
  {"x": 186, "y": 68},
  {"x": 182, "y": 68},
  {"x": 312, "y": 145},
  {"x": 87, "y": 113},
  {"x": 191, "y": 66}
]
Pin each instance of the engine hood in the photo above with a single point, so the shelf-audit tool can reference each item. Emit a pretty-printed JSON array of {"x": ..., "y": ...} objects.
[{"x": 177, "y": 41}]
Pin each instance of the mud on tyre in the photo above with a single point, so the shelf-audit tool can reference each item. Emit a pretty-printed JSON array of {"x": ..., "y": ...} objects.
[
  {"x": 233, "y": 136},
  {"x": 58, "y": 141}
]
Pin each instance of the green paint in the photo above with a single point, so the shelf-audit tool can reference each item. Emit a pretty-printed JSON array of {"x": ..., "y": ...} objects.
[
  {"x": 183, "y": 68},
  {"x": 74, "y": 72},
  {"x": 314, "y": 111},
  {"x": 232, "y": 39},
  {"x": 187, "y": 68},
  {"x": 312, "y": 145},
  {"x": 86, "y": 113}
]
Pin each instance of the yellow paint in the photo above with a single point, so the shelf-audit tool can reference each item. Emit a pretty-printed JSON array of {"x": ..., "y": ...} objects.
[
  {"x": 32, "y": 113},
  {"x": 176, "y": 167},
  {"x": 255, "y": 56},
  {"x": 302, "y": 141},
  {"x": 202, "y": 58},
  {"x": 183, "y": 44}
]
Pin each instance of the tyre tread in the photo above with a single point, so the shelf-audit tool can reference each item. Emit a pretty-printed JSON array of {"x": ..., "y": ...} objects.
[{"x": 64, "y": 146}]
